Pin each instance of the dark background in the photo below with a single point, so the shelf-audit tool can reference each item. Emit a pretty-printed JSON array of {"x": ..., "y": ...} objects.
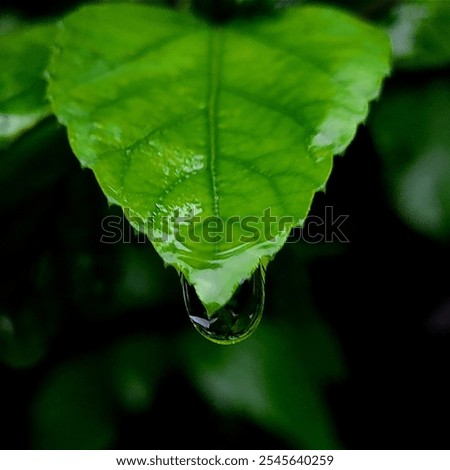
[{"x": 384, "y": 297}]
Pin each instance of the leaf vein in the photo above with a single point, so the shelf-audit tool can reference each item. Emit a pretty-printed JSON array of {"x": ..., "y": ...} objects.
[
  {"x": 128, "y": 150},
  {"x": 302, "y": 58},
  {"x": 127, "y": 61},
  {"x": 215, "y": 63},
  {"x": 253, "y": 169},
  {"x": 268, "y": 105}
]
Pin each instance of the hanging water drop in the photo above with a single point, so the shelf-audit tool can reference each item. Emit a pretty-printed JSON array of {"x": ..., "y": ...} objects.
[{"x": 234, "y": 321}]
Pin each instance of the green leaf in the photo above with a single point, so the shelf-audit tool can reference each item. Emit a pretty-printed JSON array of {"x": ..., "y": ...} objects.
[
  {"x": 33, "y": 164},
  {"x": 409, "y": 131},
  {"x": 24, "y": 55},
  {"x": 269, "y": 379},
  {"x": 182, "y": 119},
  {"x": 23, "y": 341},
  {"x": 73, "y": 409},
  {"x": 143, "y": 281},
  {"x": 136, "y": 365},
  {"x": 419, "y": 34}
]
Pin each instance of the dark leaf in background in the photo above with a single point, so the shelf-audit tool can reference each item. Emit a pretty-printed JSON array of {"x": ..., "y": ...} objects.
[
  {"x": 266, "y": 379},
  {"x": 411, "y": 130},
  {"x": 72, "y": 409},
  {"x": 135, "y": 366},
  {"x": 24, "y": 55},
  {"x": 419, "y": 34}
]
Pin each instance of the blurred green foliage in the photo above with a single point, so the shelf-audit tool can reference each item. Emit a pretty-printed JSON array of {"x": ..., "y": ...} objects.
[
  {"x": 275, "y": 378},
  {"x": 419, "y": 31},
  {"x": 72, "y": 410},
  {"x": 415, "y": 147},
  {"x": 24, "y": 55}
]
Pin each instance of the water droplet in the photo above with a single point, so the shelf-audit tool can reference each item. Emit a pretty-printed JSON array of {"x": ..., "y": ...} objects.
[{"x": 236, "y": 320}]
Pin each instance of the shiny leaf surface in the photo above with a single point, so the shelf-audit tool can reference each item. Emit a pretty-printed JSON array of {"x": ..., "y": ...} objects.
[{"x": 213, "y": 139}]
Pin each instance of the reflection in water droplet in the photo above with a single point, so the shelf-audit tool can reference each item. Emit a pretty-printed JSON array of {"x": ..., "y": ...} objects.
[{"x": 237, "y": 319}]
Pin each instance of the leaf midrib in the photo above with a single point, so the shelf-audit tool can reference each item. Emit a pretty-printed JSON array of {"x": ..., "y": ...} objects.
[{"x": 215, "y": 52}]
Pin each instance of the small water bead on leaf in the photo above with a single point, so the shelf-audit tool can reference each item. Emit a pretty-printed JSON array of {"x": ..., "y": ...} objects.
[{"x": 234, "y": 321}]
